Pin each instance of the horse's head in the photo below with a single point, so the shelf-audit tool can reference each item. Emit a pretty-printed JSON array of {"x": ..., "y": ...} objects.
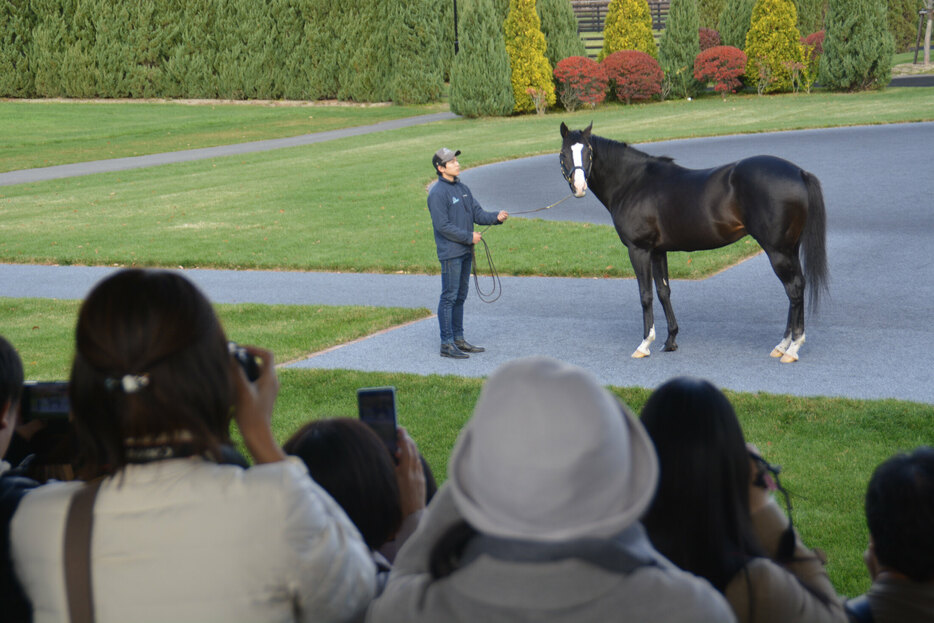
[{"x": 576, "y": 158}]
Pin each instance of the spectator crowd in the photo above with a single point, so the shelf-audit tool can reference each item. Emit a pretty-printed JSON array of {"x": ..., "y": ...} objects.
[{"x": 560, "y": 504}]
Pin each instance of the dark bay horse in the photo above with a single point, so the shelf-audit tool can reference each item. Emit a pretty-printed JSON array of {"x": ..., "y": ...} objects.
[{"x": 658, "y": 206}]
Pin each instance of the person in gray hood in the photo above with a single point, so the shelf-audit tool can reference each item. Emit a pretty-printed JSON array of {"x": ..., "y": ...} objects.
[
  {"x": 454, "y": 212},
  {"x": 539, "y": 518}
]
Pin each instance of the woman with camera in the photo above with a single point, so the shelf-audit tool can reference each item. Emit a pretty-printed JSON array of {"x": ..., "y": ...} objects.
[
  {"x": 713, "y": 514},
  {"x": 181, "y": 530}
]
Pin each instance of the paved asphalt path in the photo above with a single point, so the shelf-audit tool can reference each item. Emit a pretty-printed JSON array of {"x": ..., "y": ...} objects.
[{"x": 872, "y": 338}]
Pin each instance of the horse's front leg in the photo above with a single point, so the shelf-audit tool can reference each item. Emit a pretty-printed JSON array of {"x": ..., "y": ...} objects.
[
  {"x": 660, "y": 272},
  {"x": 642, "y": 266}
]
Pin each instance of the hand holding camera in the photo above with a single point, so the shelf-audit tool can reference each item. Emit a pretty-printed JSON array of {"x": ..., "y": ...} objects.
[{"x": 255, "y": 400}]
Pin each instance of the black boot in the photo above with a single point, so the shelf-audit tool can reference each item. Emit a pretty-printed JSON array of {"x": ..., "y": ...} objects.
[
  {"x": 452, "y": 351},
  {"x": 467, "y": 347}
]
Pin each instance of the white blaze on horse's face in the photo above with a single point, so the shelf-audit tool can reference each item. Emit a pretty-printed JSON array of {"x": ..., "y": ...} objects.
[{"x": 578, "y": 179}]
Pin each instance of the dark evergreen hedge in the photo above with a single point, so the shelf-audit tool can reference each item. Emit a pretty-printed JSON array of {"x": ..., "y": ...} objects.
[{"x": 364, "y": 50}]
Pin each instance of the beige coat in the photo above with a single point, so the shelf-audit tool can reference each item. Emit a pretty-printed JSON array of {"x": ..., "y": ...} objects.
[
  {"x": 768, "y": 592},
  {"x": 189, "y": 540}
]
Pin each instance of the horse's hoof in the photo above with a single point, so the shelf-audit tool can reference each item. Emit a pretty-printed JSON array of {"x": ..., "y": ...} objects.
[
  {"x": 670, "y": 349},
  {"x": 777, "y": 353},
  {"x": 640, "y": 355},
  {"x": 789, "y": 358}
]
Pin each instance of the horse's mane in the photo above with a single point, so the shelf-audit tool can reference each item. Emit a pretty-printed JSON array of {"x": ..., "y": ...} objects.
[{"x": 618, "y": 150}]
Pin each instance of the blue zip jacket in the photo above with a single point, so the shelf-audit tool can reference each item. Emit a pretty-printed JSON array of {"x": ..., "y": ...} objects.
[{"x": 453, "y": 214}]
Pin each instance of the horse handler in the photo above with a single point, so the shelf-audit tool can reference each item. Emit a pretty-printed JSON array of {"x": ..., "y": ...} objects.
[{"x": 453, "y": 215}]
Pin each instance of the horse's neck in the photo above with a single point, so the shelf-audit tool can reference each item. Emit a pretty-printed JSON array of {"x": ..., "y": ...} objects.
[{"x": 616, "y": 167}]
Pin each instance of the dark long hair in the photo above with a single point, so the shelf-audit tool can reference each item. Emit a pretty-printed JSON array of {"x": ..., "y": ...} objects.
[
  {"x": 700, "y": 518},
  {"x": 351, "y": 463},
  {"x": 154, "y": 324}
]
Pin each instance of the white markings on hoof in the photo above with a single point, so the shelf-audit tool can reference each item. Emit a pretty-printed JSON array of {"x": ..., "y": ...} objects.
[
  {"x": 782, "y": 347},
  {"x": 791, "y": 355},
  {"x": 643, "y": 350}
]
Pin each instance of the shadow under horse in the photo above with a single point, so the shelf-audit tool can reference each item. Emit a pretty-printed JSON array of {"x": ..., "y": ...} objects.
[{"x": 658, "y": 206}]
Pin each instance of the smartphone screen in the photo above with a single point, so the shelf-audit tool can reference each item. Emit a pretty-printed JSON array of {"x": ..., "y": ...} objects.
[
  {"x": 377, "y": 407},
  {"x": 45, "y": 401}
]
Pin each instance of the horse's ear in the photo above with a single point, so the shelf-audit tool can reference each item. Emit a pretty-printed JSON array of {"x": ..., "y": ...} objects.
[
  {"x": 564, "y": 130},
  {"x": 588, "y": 129}
]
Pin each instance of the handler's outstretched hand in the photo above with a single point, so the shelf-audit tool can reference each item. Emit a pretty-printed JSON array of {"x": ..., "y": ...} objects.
[{"x": 502, "y": 216}]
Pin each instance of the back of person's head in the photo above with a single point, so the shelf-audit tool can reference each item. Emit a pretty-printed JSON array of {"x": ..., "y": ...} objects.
[
  {"x": 550, "y": 455},
  {"x": 351, "y": 463},
  {"x": 700, "y": 515},
  {"x": 11, "y": 374},
  {"x": 900, "y": 513},
  {"x": 151, "y": 366}
]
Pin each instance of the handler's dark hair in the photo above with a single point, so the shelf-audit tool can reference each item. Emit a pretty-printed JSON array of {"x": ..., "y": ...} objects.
[
  {"x": 700, "y": 517},
  {"x": 351, "y": 463},
  {"x": 153, "y": 325},
  {"x": 11, "y": 374},
  {"x": 900, "y": 513}
]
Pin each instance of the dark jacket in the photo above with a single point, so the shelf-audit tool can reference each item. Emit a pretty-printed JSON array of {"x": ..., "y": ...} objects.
[
  {"x": 15, "y": 606},
  {"x": 453, "y": 214}
]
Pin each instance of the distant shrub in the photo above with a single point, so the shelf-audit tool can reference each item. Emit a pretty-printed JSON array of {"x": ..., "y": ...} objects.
[
  {"x": 815, "y": 41},
  {"x": 709, "y": 38},
  {"x": 628, "y": 26},
  {"x": 773, "y": 46},
  {"x": 581, "y": 80},
  {"x": 525, "y": 45},
  {"x": 722, "y": 65},
  {"x": 633, "y": 75}
]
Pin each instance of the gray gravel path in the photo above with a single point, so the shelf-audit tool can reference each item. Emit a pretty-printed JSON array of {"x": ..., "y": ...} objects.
[{"x": 872, "y": 338}]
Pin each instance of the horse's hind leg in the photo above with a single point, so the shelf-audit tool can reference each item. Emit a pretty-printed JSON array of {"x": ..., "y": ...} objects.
[
  {"x": 660, "y": 272},
  {"x": 787, "y": 267}
]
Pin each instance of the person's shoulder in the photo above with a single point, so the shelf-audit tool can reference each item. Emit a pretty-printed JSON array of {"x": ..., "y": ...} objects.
[{"x": 683, "y": 591}]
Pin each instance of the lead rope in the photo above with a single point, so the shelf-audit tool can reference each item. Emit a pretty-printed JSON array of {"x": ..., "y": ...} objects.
[{"x": 497, "y": 290}]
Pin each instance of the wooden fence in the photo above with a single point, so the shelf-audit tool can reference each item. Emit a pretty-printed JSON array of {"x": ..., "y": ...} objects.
[{"x": 592, "y": 13}]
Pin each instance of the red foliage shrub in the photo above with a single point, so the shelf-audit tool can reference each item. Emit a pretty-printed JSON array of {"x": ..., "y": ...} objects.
[
  {"x": 633, "y": 75},
  {"x": 723, "y": 65},
  {"x": 581, "y": 80},
  {"x": 709, "y": 38},
  {"x": 815, "y": 41}
]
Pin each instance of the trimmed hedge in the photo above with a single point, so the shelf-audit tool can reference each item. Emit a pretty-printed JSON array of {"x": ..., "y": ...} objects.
[
  {"x": 633, "y": 75},
  {"x": 723, "y": 66},
  {"x": 581, "y": 80},
  {"x": 240, "y": 49}
]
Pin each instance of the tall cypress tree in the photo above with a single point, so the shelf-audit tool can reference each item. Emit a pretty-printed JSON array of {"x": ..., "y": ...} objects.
[
  {"x": 773, "y": 45},
  {"x": 190, "y": 63},
  {"x": 480, "y": 76},
  {"x": 628, "y": 26},
  {"x": 323, "y": 22},
  {"x": 16, "y": 24},
  {"x": 366, "y": 65},
  {"x": 810, "y": 15},
  {"x": 679, "y": 46},
  {"x": 559, "y": 24},
  {"x": 734, "y": 22},
  {"x": 709, "y": 11},
  {"x": 414, "y": 45},
  {"x": 858, "y": 46},
  {"x": 525, "y": 44}
]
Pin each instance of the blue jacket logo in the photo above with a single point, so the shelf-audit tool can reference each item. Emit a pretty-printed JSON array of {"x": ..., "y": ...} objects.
[{"x": 454, "y": 200}]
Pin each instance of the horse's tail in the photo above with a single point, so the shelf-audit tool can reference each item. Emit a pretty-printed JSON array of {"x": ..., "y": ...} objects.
[{"x": 814, "y": 242}]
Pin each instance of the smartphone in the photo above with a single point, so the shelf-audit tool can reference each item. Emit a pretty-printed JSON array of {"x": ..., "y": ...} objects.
[
  {"x": 45, "y": 400},
  {"x": 377, "y": 407}
]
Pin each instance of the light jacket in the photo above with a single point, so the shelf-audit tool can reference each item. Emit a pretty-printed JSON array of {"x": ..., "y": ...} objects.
[
  {"x": 794, "y": 592},
  {"x": 191, "y": 540},
  {"x": 453, "y": 215},
  {"x": 569, "y": 591}
]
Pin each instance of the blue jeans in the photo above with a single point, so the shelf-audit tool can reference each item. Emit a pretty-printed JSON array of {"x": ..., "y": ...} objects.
[{"x": 455, "y": 281}]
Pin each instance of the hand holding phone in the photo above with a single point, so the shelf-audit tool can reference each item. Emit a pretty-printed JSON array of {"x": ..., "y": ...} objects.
[{"x": 377, "y": 408}]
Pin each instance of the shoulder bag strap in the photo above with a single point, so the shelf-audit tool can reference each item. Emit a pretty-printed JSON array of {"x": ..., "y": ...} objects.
[{"x": 77, "y": 555}]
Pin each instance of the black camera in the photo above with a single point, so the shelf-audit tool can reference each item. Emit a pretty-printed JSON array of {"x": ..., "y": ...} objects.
[
  {"x": 45, "y": 400},
  {"x": 247, "y": 361}
]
